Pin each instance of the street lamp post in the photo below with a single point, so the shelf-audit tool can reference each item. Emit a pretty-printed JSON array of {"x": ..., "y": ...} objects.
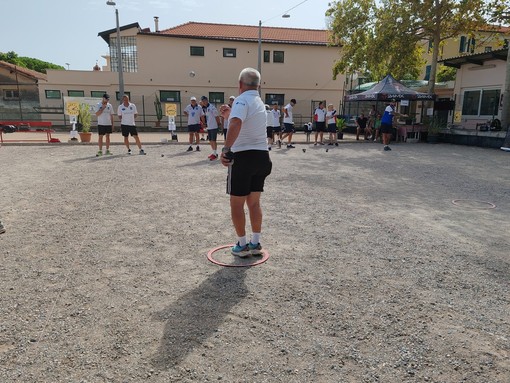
[
  {"x": 259, "y": 60},
  {"x": 119, "y": 54}
]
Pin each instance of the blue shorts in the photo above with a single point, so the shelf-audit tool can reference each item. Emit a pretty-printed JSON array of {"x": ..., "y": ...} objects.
[
  {"x": 331, "y": 128},
  {"x": 212, "y": 134},
  {"x": 288, "y": 128},
  {"x": 194, "y": 128}
]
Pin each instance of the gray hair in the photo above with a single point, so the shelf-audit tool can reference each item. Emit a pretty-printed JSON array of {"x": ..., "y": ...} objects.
[{"x": 250, "y": 77}]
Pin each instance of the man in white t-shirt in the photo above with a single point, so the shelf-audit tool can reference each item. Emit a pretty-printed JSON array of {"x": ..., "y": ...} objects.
[
  {"x": 127, "y": 113},
  {"x": 104, "y": 112},
  {"x": 212, "y": 122},
  {"x": 246, "y": 155},
  {"x": 288, "y": 123},
  {"x": 277, "y": 129},
  {"x": 320, "y": 123},
  {"x": 195, "y": 116}
]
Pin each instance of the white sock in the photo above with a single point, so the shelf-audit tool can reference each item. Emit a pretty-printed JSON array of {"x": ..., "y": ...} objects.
[
  {"x": 215, "y": 153},
  {"x": 242, "y": 241},
  {"x": 255, "y": 238}
]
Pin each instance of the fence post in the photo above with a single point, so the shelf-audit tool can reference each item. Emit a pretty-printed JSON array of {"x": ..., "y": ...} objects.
[{"x": 143, "y": 109}]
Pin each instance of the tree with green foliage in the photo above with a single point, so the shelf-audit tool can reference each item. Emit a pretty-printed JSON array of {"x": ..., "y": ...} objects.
[
  {"x": 446, "y": 73},
  {"x": 384, "y": 37},
  {"x": 28, "y": 62}
]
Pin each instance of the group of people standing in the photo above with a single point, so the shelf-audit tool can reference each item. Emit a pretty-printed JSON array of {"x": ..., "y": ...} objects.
[
  {"x": 127, "y": 114},
  {"x": 325, "y": 122},
  {"x": 203, "y": 116},
  {"x": 274, "y": 128},
  {"x": 374, "y": 124}
]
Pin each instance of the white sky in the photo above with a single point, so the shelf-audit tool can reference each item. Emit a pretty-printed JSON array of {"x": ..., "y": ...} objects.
[{"x": 65, "y": 31}]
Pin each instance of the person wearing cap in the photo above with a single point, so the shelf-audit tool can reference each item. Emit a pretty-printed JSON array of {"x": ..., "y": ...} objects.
[
  {"x": 387, "y": 124},
  {"x": 246, "y": 155},
  {"x": 195, "y": 116},
  {"x": 104, "y": 113},
  {"x": 212, "y": 122},
  {"x": 288, "y": 123},
  {"x": 127, "y": 113}
]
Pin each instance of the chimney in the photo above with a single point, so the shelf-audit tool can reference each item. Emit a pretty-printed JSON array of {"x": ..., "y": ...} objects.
[{"x": 156, "y": 23}]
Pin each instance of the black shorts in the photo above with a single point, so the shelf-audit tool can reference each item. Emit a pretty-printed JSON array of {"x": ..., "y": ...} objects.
[
  {"x": 269, "y": 131},
  {"x": 127, "y": 130},
  {"x": 104, "y": 129},
  {"x": 386, "y": 128},
  {"x": 320, "y": 126},
  {"x": 248, "y": 172},
  {"x": 288, "y": 128},
  {"x": 332, "y": 128},
  {"x": 194, "y": 128},
  {"x": 212, "y": 134},
  {"x": 277, "y": 129}
]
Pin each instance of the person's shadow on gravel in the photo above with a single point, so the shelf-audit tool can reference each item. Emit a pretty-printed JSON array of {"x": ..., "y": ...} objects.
[{"x": 197, "y": 315}]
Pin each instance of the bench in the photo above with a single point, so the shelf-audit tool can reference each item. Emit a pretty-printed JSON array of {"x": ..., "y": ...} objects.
[{"x": 28, "y": 127}]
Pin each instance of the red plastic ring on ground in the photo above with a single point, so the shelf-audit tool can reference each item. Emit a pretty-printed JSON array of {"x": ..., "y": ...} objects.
[
  {"x": 265, "y": 257},
  {"x": 491, "y": 205}
]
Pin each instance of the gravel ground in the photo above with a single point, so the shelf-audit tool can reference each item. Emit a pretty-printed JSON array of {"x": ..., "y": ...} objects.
[{"x": 374, "y": 274}]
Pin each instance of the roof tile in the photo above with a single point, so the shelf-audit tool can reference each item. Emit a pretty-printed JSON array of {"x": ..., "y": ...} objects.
[{"x": 249, "y": 33}]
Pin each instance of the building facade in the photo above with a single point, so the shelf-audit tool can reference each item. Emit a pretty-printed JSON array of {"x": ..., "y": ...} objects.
[
  {"x": 19, "y": 92},
  {"x": 196, "y": 59},
  {"x": 479, "y": 87}
]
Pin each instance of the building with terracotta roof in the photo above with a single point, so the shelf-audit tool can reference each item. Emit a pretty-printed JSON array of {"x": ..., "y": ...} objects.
[{"x": 195, "y": 59}]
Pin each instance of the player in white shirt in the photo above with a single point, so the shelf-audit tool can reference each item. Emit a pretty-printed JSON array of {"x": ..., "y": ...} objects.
[
  {"x": 104, "y": 112},
  {"x": 320, "y": 123},
  {"x": 277, "y": 129},
  {"x": 195, "y": 116},
  {"x": 246, "y": 155},
  {"x": 127, "y": 113},
  {"x": 288, "y": 123},
  {"x": 212, "y": 123}
]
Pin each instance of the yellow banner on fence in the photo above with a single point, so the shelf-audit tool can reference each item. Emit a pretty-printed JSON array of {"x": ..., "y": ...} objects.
[{"x": 170, "y": 109}]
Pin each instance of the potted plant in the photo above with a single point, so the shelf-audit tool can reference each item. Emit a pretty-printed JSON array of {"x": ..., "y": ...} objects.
[
  {"x": 84, "y": 122},
  {"x": 159, "y": 111},
  {"x": 340, "y": 125},
  {"x": 434, "y": 126}
]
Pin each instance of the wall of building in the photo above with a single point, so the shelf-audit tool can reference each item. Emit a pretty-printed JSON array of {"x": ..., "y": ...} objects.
[
  {"x": 165, "y": 63},
  {"x": 470, "y": 77},
  {"x": 22, "y": 108}
]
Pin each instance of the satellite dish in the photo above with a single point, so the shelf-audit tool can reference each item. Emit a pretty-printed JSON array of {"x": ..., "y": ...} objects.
[{"x": 192, "y": 73}]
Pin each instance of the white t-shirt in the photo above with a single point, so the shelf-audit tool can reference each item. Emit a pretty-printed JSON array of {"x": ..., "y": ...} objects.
[
  {"x": 104, "y": 118},
  {"x": 330, "y": 115},
  {"x": 250, "y": 109},
  {"x": 275, "y": 114},
  {"x": 210, "y": 114},
  {"x": 288, "y": 120},
  {"x": 321, "y": 114},
  {"x": 127, "y": 114},
  {"x": 194, "y": 114},
  {"x": 269, "y": 118}
]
